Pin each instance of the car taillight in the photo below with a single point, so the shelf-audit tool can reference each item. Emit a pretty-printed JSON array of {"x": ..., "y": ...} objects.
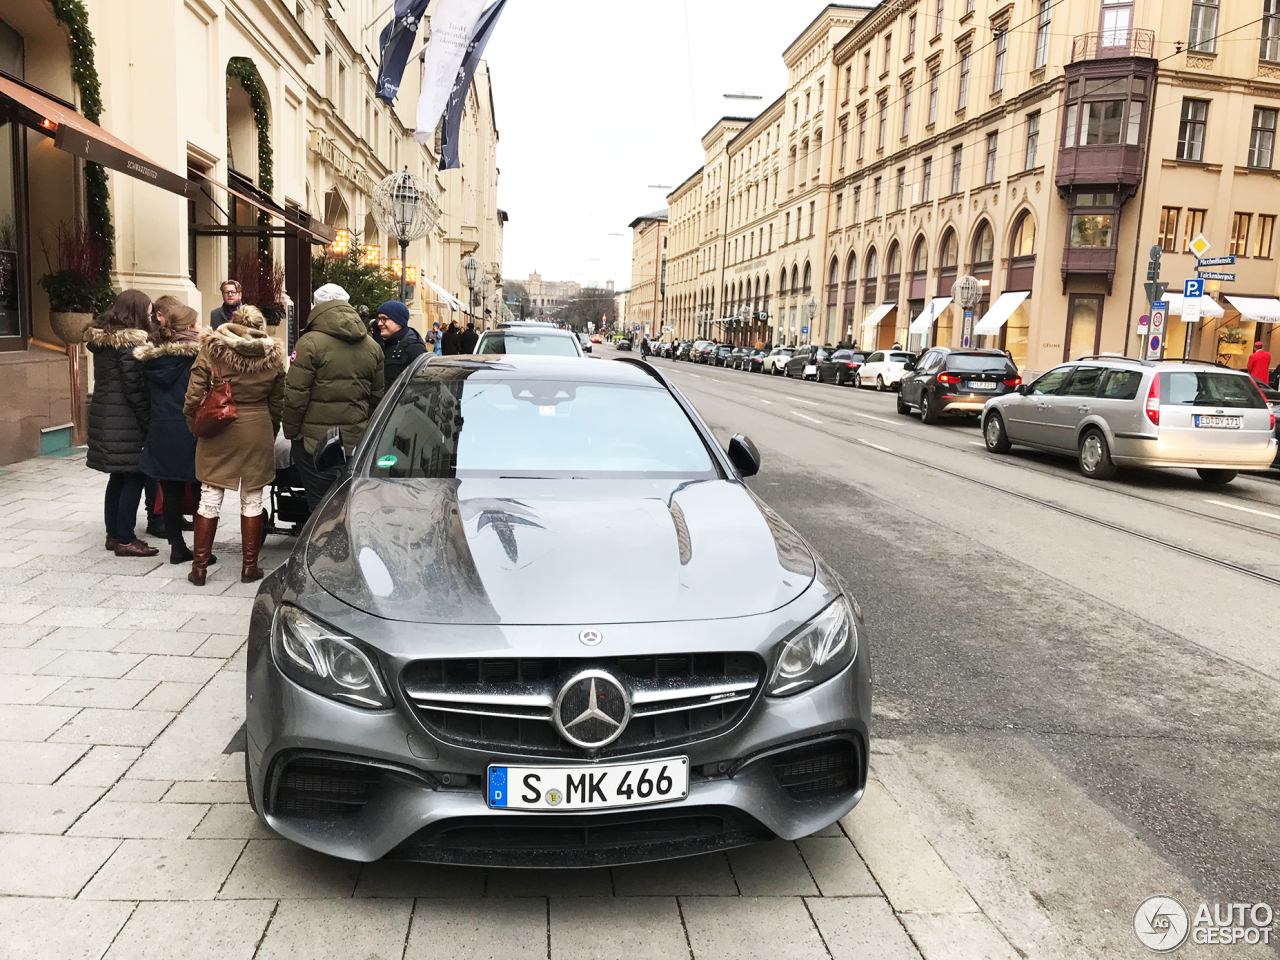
[
  {"x": 852, "y": 366},
  {"x": 948, "y": 378},
  {"x": 1015, "y": 382},
  {"x": 1152, "y": 408}
]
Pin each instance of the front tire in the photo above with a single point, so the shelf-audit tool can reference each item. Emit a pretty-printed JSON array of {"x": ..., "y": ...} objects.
[
  {"x": 1217, "y": 477},
  {"x": 928, "y": 414},
  {"x": 904, "y": 408},
  {"x": 993, "y": 432},
  {"x": 1095, "y": 456}
]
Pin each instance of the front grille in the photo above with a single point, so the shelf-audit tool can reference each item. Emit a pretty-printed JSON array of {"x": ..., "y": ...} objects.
[
  {"x": 506, "y": 704},
  {"x": 324, "y": 788},
  {"x": 816, "y": 770},
  {"x": 569, "y": 840}
]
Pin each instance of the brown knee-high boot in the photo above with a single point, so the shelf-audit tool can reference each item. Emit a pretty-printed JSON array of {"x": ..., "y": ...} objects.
[
  {"x": 202, "y": 548},
  {"x": 250, "y": 543}
]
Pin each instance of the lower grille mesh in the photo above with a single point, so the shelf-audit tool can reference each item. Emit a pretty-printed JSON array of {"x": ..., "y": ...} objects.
[
  {"x": 817, "y": 769},
  {"x": 322, "y": 788}
]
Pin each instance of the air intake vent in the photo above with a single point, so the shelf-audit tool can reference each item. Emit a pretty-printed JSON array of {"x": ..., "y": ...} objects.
[
  {"x": 817, "y": 770},
  {"x": 322, "y": 788}
]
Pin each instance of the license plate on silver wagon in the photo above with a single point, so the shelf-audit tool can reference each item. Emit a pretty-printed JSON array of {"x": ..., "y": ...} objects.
[{"x": 597, "y": 787}]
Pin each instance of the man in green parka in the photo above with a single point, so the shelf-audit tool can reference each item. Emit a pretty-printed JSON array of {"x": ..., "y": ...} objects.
[{"x": 335, "y": 380}]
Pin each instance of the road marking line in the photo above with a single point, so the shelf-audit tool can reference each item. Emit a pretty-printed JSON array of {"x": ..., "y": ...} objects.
[
  {"x": 975, "y": 443},
  {"x": 717, "y": 380},
  {"x": 696, "y": 376},
  {"x": 798, "y": 400},
  {"x": 867, "y": 416},
  {"x": 876, "y": 445},
  {"x": 1232, "y": 506},
  {"x": 797, "y": 413},
  {"x": 763, "y": 400}
]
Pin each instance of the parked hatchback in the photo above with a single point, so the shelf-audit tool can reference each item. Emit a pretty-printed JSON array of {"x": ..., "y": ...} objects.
[
  {"x": 778, "y": 356},
  {"x": 948, "y": 382},
  {"x": 804, "y": 362},
  {"x": 841, "y": 366},
  {"x": 720, "y": 355},
  {"x": 1111, "y": 412},
  {"x": 883, "y": 369}
]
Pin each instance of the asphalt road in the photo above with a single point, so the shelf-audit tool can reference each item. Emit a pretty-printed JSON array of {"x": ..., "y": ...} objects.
[{"x": 1076, "y": 682}]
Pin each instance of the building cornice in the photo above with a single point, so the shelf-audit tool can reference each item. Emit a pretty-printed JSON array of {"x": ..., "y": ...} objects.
[{"x": 834, "y": 15}]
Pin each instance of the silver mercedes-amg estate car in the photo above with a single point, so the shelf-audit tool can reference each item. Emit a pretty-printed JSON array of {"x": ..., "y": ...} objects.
[{"x": 541, "y": 621}]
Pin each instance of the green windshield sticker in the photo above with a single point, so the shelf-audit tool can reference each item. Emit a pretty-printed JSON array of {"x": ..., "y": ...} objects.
[{"x": 386, "y": 461}]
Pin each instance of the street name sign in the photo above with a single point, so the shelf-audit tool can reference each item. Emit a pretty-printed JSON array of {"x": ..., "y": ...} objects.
[
  {"x": 1209, "y": 275},
  {"x": 1216, "y": 262}
]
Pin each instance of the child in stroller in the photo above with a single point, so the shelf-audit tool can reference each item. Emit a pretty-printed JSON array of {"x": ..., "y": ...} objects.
[{"x": 289, "y": 510}]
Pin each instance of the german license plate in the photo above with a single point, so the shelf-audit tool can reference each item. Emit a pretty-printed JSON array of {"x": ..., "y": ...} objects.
[
  {"x": 1220, "y": 423},
  {"x": 596, "y": 787},
  {"x": 981, "y": 385}
]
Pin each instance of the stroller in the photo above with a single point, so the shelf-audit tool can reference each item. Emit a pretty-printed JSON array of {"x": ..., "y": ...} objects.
[{"x": 289, "y": 511}]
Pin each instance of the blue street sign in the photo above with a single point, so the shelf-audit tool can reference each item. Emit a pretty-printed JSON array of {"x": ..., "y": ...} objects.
[
  {"x": 1155, "y": 343},
  {"x": 804, "y": 329},
  {"x": 1216, "y": 262},
  {"x": 1193, "y": 288},
  {"x": 1209, "y": 275}
]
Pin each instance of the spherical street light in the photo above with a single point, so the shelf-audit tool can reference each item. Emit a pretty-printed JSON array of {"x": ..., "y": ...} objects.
[
  {"x": 967, "y": 292},
  {"x": 405, "y": 207},
  {"x": 470, "y": 270}
]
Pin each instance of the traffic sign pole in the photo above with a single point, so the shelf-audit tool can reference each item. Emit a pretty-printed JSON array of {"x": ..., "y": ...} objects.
[{"x": 1155, "y": 339}]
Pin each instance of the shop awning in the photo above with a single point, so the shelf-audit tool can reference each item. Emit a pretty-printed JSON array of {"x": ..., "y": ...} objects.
[
  {"x": 999, "y": 313},
  {"x": 74, "y": 134},
  {"x": 1208, "y": 306},
  {"x": 880, "y": 313},
  {"x": 315, "y": 230},
  {"x": 931, "y": 313},
  {"x": 1257, "y": 309},
  {"x": 447, "y": 298}
]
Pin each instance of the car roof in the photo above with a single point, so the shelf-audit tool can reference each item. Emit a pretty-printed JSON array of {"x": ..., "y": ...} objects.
[
  {"x": 505, "y": 366},
  {"x": 539, "y": 329}
]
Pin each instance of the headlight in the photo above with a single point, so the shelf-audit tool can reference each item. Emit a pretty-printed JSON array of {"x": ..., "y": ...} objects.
[
  {"x": 319, "y": 658},
  {"x": 823, "y": 647}
]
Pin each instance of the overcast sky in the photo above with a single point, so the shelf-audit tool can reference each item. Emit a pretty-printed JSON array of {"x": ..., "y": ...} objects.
[{"x": 597, "y": 99}]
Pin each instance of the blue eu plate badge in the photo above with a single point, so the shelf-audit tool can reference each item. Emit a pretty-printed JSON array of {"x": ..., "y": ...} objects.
[{"x": 497, "y": 786}]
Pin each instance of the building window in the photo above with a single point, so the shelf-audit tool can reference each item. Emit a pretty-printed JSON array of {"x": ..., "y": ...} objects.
[
  {"x": 1033, "y": 141},
  {"x": 813, "y": 206},
  {"x": 911, "y": 34},
  {"x": 875, "y": 198},
  {"x": 839, "y": 210},
  {"x": 1195, "y": 114},
  {"x": 822, "y": 93},
  {"x": 1002, "y": 54},
  {"x": 900, "y": 195},
  {"x": 844, "y": 142},
  {"x": 957, "y": 154},
  {"x": 882, "y": 123},
  {"x": 807, "y": 98},
  {"x": 1262, "y": 139},
  {"x": 1204, "y": 26},
  {"x": 888, "y": 53},
  {"x": 786, "y": 228},
  {"x": 862, "y": 134},
  {"x": 937, "y": 19},
  {"x": 866, "y": 68},
  {"x": 857, "y": 204},
  {"x": 1239, "y": 246},
  {"x": 1103, "y": 120},
  {"x": 1091, "y": 230},
  {"x": 1042, "y": 33},
  {"x": 1169, "y": 228},
  {"x": 1071, "y": 123},
  {"x": 990, "y": 172},
  {"x": 968, "y": 6},
  {"x": 848, "y": 82},
  {"x": 933, "y": 94},
  {"x": 1270, "y": 49},
  {"x": 962, "y": 99},
  {"x": 1262, "y": 237},
  {"x": 1193, "y": 226},
  {"x": 926, "y": 178},
  {"x": 906, "y": 112}
]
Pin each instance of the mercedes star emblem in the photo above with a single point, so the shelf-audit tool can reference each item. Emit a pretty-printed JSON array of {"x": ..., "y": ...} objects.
[
  {"x": 590, "y": 637},
  {"x": 592, "y": 709}
]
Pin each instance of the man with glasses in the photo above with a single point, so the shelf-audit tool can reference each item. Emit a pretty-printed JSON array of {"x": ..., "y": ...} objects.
[
  {"x": 401, "y": 344},
  {"x": 230, "y": 304}
]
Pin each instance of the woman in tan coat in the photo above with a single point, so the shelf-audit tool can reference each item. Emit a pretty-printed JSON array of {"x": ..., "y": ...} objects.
[{"x": 242, "y": 456}]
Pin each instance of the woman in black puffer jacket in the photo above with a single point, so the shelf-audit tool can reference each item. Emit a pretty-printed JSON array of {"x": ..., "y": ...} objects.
[{"x": 120, "y": 415}]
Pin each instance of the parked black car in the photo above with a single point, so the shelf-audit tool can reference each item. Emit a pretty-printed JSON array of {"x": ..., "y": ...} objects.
[
  {"x": 623, "y": 345},
  {"x": 682, "y": 349},
  {"x": 840, "y": 366},
  {"x": 720, "y": 358},
  {"x": 703, "y": 350},
  {"x": 754, "y": 361},
  {"x": 736, "y": 356},
  {"x": 946, "y": 382},
  {"x": 804, "y": 362}
]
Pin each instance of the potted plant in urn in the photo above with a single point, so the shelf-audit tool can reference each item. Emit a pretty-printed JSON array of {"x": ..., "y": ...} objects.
[
  {"x": 1231, "y": 340},
  {"x": 76, "y": 283}
]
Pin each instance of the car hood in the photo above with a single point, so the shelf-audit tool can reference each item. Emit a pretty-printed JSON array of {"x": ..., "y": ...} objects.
[{"x": 555, "y": 551}]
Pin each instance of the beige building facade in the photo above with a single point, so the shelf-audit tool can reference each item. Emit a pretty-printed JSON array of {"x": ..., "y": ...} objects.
[
  {"x": 644, "y": 315},
  {"x": 547, "y": 295},
  {"x": 175, "y": 98},
  {"x": 1038, "y": 146}
]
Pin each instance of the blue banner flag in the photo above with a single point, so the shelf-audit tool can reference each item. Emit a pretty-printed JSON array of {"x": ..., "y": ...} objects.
[
  {"x": 458, "y": 97},
  {"x": 394, "y": 44}
]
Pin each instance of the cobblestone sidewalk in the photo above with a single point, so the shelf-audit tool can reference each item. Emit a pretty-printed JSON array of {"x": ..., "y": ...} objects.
[{"x": 125, "y": 834}]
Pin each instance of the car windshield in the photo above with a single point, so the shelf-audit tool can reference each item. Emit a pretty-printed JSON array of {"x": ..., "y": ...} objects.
[
  {"x": 446, "y": 424},
  {"x": 1209, "y": 388},
  {"x": 546, "y": 344},
  {"x": 980, "y": 363}
]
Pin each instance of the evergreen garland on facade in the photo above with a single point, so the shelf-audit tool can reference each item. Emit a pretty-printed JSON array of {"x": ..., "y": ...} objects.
[
  {"x": 73, "y": 16},
  {"x": 243, "y": 70}
]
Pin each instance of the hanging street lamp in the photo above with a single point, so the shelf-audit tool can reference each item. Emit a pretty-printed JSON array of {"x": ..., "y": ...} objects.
[{"x": 405, "y": 207}]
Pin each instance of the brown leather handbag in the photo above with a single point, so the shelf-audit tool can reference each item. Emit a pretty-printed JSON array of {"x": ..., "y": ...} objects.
[{"x": 217, "y": 409}]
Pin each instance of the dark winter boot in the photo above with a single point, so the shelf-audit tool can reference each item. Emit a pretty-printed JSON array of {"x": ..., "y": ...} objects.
[
  {"x": 250, "y": 544},
  {"x": 205, "y": 530}
]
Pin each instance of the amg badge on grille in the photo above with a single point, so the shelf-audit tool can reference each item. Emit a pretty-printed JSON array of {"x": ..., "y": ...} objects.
[{"x": 591, "y": 709}]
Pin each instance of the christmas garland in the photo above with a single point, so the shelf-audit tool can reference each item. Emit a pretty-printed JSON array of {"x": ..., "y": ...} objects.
[
  {"x": 72, "y": 15},
  {"x": 244, "y": 70}
]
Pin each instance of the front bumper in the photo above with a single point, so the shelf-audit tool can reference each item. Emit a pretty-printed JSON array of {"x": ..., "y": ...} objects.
[{"x": 429, "y": 800}]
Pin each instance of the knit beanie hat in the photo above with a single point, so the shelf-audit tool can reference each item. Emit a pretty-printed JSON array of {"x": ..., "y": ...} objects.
[
  {"x": 330, "y": 291},
  {"x": 396, "y": 310}
]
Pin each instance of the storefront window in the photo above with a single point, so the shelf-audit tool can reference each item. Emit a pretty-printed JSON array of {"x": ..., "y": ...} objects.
[
  {"x": 10, "y": 273},
  {"x": 1091, "y": 230}
]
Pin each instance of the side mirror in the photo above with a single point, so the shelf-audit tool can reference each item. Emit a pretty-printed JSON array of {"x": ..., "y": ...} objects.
[
  {"x": 1022, "y": 389},
  {"x": 909, "y": 365},
  {"x": 330, "y": 453},
  {"x": 744, "y": 455}
]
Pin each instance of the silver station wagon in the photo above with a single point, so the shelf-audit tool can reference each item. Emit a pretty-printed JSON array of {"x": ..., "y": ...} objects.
[{"x": 1113, "y": 411}]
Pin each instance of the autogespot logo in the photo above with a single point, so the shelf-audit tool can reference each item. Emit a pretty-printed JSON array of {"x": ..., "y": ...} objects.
[{"x": 1161, "y": 924}]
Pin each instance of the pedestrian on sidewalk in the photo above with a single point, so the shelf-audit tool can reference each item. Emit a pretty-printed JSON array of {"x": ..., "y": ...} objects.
[
  {"x": 223, "y": 312},
  {"x": 435, "y": 339},
  {"x": 242, "y": 456},
  {"x": 169, "y": 454},
  {"x": 335, "y": 380},
  {"x": 119, "y": 416},
  {"x": 401, "y": 344},
  {"x": 1259, "y": 363},
  {"x": 450, "y": 342},
  {"x": 468, "y": 339}
]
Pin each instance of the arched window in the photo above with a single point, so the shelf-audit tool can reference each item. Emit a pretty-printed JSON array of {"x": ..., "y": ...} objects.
[
  {"x": 833, "y": 279},
  {"x": 1024, "y": 236},
  {"x": 893, "y": 263},
  {"x": 871, "y": 273},
  {"x": 851, "y": 270},
  {"x": 808, "y": 280},
  {"x": 833, "y": 290},
  {"x": 919, "y": 259},
  {"x": 949, "y": 251},
  {"x": 795, "y": 280},
  {"x": 765, "y": 303},
  {"x": 984, "y": 245}
]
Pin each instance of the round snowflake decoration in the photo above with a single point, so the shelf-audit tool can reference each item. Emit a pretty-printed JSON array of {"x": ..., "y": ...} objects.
[
  {"x": 405, "y": 207},
  {"x": 967, "y": 292}
]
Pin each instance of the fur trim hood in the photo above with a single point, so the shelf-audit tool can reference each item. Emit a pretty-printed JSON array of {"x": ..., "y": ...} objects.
[
  {"x": 243, "y": 349},
  {"x": 114, "y": 339},
  {"x": 174, "y": 348}
]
